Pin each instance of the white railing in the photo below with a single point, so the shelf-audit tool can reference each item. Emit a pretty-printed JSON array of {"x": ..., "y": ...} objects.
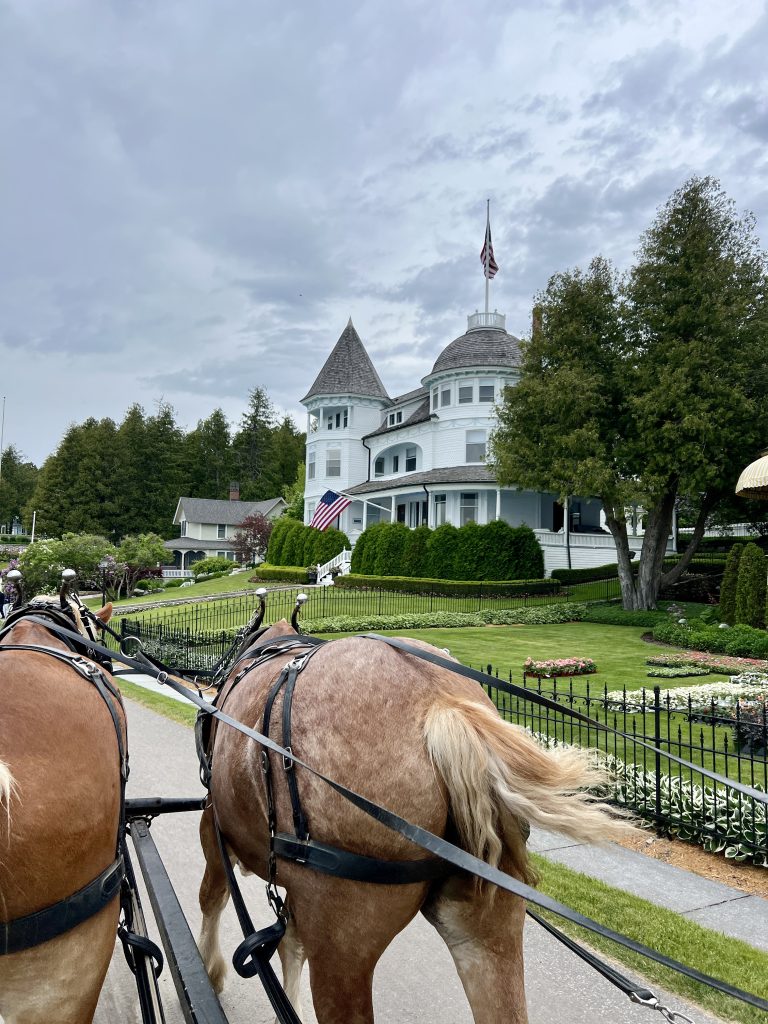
[
  {"x": 341, "y": 561},
  {"x": 476, "y": 321},
  {"x": 171, "y": 573},
  {"x": 588, "y": 540}
]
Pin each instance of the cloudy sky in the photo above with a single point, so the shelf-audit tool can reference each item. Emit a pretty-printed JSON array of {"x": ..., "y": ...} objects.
[{"x": 195, "y": 195}]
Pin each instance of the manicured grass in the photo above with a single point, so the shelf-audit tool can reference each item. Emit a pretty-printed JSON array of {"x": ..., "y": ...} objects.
[
  {"x": 206, "y": 588},
  {"x": 185, "y": 714},
  {"x": 709, "y": 952}
]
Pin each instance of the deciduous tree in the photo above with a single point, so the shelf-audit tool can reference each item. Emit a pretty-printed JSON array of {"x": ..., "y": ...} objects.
[{"x": 641, "y": 389}]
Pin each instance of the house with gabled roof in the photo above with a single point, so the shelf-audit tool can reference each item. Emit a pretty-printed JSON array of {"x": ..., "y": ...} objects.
[{"x": 207, "y": 526}]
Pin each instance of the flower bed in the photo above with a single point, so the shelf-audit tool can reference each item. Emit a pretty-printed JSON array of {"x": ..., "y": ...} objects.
[
  {"x": 677, "y": 671},
  {"x": 559, "y": 667},
  {"x": 714, "y": 663},
  {"x": 701, "y": 698}
]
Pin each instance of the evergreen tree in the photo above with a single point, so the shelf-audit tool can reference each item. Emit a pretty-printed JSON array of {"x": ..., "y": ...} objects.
[
  {"x": 441, "y": 553},
  {"x": 750, "y": 590},
  {"x": 729, "y": 585},
  {"x": 207, "y": 459},
  {"x": 251, "y": 447},
  {"x": 17, "y": 485},
  {"x": 294, "y": 495},
  {"x": 285, "y": 453},
  {"x": 390, "y": 548},
  {"x": 415, "y": 553}
]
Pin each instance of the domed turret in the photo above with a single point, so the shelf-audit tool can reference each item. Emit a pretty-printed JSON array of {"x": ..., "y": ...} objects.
[{"x": 485, "y": 344}]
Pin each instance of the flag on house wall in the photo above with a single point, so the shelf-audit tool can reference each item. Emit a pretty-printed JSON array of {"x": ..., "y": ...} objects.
[
  {"x": 330, "y": 505},
  {"x": 490, "y": 266}
]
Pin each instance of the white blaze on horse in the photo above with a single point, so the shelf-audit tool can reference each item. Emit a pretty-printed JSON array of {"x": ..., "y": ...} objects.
[
  {"x": 60, "y": 806},
  {"x": 429, "y": 745}
]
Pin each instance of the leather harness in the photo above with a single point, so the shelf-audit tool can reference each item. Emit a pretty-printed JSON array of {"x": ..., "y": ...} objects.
[
  {"x": 46, "y": 924},
  {"x": 299, "y": 846}
]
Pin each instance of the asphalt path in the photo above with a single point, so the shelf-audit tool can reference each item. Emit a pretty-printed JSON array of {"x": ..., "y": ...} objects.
[{"x": 415, "y": 979}]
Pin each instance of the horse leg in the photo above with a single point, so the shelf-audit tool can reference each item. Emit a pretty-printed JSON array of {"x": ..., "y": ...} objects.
[
  {"x": 292, "y": 957},
  {"x": 484, "y": 934},
  {"x": 214, "y": 894},
  {"x": 344, "y": 927}
]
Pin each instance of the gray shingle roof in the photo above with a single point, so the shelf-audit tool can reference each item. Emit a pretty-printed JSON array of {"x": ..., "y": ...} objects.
[
  {"x": 449, "y": 475},
  {"x": 486, "y": 347},
  {"x": 348, "y": 370},
  {"x": 419, "y": 415},
  {"x": 409, "y": 395},
  {"x": 231, "y": 513}
]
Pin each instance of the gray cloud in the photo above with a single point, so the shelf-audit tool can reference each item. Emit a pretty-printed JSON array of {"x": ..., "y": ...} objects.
[{"x": 196, "y": 197}]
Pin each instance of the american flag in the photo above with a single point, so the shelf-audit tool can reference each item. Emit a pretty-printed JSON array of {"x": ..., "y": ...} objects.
[
  {"x": 492, "y": 267},
  {"x": 328, "y": 508}
]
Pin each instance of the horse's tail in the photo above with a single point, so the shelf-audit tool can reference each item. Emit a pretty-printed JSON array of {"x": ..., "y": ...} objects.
[
  {"x": 491, "y": 767},
  {"x": 6, "y": 789}
]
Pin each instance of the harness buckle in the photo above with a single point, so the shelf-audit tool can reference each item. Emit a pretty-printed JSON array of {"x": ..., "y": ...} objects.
[
  {"x": 288, "y": 764},
  {"x": 265, "y": 762}
]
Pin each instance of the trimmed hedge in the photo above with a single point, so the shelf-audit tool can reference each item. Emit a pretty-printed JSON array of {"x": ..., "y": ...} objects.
[
  {"x": 740, "y": 641},
  {"x": 284, "y": 573},
  {"x": 615, "y": 615},
  {"x": 495, "y": 551},
  {"x": 291, "y": 543},
  {"x": 728, "y": 586},
  {"x": 750, "y": 587},
  {"x": 543, "y": 615},
  {"x": 459, "y": 588},
  {"x": 589, "y": 575}
]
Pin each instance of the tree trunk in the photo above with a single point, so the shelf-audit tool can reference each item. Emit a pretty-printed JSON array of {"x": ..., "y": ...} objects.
[
  {"x": 677, "y": 570},
  {"x": 639, "y": 593}
]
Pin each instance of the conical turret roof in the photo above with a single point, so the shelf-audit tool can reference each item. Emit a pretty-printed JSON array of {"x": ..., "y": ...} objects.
[{"x": 348, "y": 370}]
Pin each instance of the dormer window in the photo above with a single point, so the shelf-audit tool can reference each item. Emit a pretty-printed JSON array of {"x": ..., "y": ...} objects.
[{"x": 395, "y": 418}]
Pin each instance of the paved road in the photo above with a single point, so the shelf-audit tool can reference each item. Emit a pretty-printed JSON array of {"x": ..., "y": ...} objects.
[{"x": 415, "y": 980}]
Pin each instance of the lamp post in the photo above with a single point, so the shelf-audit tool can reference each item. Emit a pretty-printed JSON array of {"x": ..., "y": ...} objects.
[{"x": 103, "y": 565}]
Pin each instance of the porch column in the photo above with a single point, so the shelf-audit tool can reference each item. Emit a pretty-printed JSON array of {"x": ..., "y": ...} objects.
[
  {"x": 393, "y": 513},
  {"x": 365, "y": 514},
  {"x": 498, "y": 503}
]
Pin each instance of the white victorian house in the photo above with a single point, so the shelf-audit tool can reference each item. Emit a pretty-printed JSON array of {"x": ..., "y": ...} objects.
[{"x": 420, "y": 457}]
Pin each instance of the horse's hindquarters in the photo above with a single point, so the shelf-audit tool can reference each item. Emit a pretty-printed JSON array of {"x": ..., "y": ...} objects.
[{"x": 59, "y": 981}]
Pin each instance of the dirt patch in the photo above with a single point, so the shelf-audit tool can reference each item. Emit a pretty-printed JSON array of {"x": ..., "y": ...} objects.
[{"x": 745, "y": 877}]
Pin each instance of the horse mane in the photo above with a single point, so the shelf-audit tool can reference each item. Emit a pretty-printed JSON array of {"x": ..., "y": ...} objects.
[{"x": 7, "y": 789}]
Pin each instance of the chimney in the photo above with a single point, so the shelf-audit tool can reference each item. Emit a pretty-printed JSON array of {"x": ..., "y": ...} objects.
[{"x": 234, "y": 491}]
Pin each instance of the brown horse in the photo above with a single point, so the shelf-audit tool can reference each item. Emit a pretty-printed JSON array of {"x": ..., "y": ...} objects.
[
  {"x": 429, "y": 745},
  {"x": 60, "y": 789}
]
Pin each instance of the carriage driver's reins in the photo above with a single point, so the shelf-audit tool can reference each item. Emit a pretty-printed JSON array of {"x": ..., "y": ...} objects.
[{"x": 459, "y": 858}]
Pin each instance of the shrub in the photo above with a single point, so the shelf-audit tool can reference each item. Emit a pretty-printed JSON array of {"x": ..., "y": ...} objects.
[
  {"x": 391, "y": 541},
  {"x": 614, "y": 615},
  {"x": 172, "y": 584},
  {"x": 325, "y": 545},
  {"x": 542, "y": 615},
  {"x": 559, "y": 667},
  {"x": 206, "y": 566},
  {"x": 280, "y": 573},
  {"x": 277, "y": 540},
  {"x": 471, "y": 559},
  {"x": 358, "y": 552},
  {"x": 442, "y": 549},
  {"x": 598, "y": 572},
  {"x": 415, "y": 554},
  {"x": 750, "y": 587},
  {"x": 677, "y": 671},
  {"x": 458, "y": 588},
  {"x": 526, "y": 554},
  {"x": 741, "y": 641}
]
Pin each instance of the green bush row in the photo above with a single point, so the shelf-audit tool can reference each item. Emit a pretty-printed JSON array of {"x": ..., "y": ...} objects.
[
  {"x": 496, "y": 551},
  {"x": 614, "y": 615},
  {"x": 291, "y": 544},
  {"x": 589, "y": 575},
  {"x": 543, "y": 615},
  {"x": 461, "y": 588},
  {"x": 740, "y": 641},
  {"x": 280, "y": 573}
]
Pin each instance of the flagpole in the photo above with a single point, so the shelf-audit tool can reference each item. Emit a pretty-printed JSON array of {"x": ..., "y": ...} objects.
[{"x": 487, "y": 255}]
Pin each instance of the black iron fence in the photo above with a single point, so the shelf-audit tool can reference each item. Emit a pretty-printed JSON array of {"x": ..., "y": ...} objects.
[
  {"x": 329, "y": 602},
  {"x": 681, "y": 801}
]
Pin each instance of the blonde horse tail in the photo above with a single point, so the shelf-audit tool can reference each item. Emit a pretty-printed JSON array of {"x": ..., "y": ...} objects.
[
  {"x": 490, "y": 767},
  {"x": 6, "y": 789}
]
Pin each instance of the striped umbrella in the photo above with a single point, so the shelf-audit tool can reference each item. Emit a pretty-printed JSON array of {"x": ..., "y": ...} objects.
[{"x": 753, "y": 482}]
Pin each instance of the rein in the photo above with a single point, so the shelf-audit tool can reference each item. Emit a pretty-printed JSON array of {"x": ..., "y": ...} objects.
[{"x": 454, "y": 855}]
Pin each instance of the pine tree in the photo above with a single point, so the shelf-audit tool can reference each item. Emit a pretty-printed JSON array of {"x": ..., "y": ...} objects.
[
  {"x": 729, "y": 585},
  {"x": 751, "y": 588}
]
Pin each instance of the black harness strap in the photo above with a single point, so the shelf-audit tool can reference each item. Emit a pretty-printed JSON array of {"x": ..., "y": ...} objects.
[
  {"x": 33, "y": 929},
  {"x": 24, "y": 932}
]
